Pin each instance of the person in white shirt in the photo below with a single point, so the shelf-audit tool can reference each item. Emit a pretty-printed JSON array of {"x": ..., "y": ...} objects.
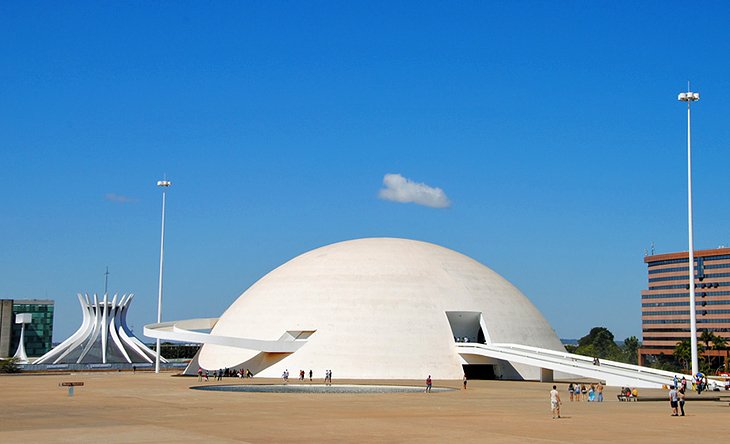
[{"x": 555, "y": 402}]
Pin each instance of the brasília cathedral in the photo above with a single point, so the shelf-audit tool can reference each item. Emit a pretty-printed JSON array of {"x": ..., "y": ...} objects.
[{"x": 103, "y": 338}]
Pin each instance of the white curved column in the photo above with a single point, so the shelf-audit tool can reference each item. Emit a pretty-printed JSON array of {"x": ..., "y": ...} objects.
[
  {"x": 104, "y": 312},
  {"x": 111, "y": 327},
  {"x": 131, "y": 339},
  {"x": 94, "y": 331},
  {"x": 128, "y": 337},
  {"x": 87, "y": 326},
  {"x": 22, "y": 319},
  {"x": 71, "y": 339},
  {"x": 103, "y": 327}
]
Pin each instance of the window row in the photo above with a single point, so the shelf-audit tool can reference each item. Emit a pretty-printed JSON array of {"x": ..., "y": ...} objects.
[
  {"x": 669, "y": 270},
  {"x": 685, "y": 321},
  {"x": 684, "y": 303},
  {"x": 684, "y": 295},
  {"x": 668, "y": 261},
  {"x": 686, "y": 278},
  {"x": 683, "y": 312},
  {"x": 685, "y": 260},
  {"x": 681, "y": 330},
  {"x": 672, "y": 287}
]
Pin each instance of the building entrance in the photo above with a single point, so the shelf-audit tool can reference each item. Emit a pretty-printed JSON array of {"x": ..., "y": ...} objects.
[
  {"x": 479, "y": 371},
  {"x": 467, "y": 326}
]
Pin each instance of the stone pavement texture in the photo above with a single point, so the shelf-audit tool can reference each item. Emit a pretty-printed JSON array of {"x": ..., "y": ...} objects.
[{"x": 148, "y": 408}]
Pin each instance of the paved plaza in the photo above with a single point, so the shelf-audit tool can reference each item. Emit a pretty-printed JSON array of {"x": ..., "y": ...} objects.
[{"x": 146, "y": 408}]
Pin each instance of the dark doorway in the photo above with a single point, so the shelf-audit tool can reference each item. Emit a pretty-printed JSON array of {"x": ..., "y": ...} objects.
[
  {"x": 479, "y": 371},
  {"x": 480, "y": 337}
]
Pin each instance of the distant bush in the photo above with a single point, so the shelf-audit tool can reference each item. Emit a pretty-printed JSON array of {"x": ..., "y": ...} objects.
[
  {"x": 178, "y": 351},
  {"x": 9, "y": 365}
]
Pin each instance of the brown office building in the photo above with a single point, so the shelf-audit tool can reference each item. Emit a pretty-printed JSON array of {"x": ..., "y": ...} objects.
[{"x": 665, "y": 305}]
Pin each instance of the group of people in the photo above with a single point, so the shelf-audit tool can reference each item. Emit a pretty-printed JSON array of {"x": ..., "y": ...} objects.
[
  {"x": 220, "y": 373},
  {"x": 699, "y": 383},
  {"x": 303, "y": 375},
  {"x": 628, "y": 394},
  {"x": 590, "y": 393}
]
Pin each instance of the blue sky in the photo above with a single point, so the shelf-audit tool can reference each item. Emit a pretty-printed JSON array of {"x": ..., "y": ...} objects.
[{"x": 552, "y": 127}]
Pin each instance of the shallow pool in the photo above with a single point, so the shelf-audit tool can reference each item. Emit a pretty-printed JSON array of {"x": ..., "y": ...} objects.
[{"x": 317, "y": 388}]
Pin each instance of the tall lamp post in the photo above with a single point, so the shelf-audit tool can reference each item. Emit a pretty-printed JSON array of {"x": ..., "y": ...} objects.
[
  {"x": 690, "y": 97},
  {"x": 164, "y": 184}
]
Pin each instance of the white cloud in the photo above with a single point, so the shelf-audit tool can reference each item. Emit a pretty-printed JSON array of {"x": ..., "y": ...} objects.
[
  {"x": 399, "y": 189},
  {"x": 118, "y": 198}
]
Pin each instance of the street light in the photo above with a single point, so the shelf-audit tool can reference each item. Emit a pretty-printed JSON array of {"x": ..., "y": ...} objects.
[
  {"x": 164, "y": 184},
  {"x": 690, "y": 97}
]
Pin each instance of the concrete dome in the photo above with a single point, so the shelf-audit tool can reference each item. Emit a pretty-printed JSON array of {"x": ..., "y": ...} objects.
[{"x": 379, "y": 308}]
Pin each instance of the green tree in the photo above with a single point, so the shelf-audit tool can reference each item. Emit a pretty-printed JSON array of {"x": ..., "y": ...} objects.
[
  {"x": 599, "y": 343},
  {"x": 683, "y": 353},
  {"x": 631, "y": 349},
  {"x": 718, "y": 343}
]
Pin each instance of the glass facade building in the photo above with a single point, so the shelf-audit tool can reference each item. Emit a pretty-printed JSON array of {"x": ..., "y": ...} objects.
[
  {"x": 665, "y": 303},
  {"x": 38, "y": 334}
]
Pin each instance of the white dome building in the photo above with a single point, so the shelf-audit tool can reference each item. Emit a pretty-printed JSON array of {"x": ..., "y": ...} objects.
[{"x": 378, "y": 308}]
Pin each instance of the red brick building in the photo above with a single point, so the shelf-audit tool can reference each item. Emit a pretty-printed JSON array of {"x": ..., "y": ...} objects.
[{"x": 665, "y": 304}]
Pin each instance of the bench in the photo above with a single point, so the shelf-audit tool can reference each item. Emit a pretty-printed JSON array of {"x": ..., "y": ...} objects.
[{"x": 624, "y": 398}]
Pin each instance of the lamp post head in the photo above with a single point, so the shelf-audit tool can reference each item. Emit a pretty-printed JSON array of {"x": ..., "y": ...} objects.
[
  {"x": 163, "y": 183},
  {"x": 23, "y": 318},
  {"x": 688, "y": 97}
]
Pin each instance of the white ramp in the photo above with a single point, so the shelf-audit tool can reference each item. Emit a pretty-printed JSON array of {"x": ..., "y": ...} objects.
[{"x": 614, "y": 373}]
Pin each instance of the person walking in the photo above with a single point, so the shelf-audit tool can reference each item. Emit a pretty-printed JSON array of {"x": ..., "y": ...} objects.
[
  {"x": 465, "y": 381},
  {"x": 310, "y": 375},
  {"x": 673, "y": 398},
  {"x": 200, "y": 374},
  {"x": 429, "y": 383},
  {"x": 555, "y": 402},
  {"x": 571, "y": 391},
  {"x": 600, "y": 391}
]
